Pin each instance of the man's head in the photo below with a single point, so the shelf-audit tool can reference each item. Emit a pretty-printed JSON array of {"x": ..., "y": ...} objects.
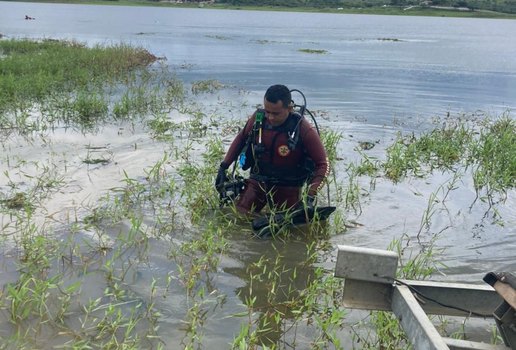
[{"x": 278, "y": 104}]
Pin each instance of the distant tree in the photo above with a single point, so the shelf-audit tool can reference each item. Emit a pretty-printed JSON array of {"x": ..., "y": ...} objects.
[
  {"x": 461, "y": 3},
  {"x": 507, "y": 6}
]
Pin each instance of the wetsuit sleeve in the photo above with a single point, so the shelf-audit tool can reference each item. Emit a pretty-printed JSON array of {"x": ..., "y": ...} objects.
[
  {"x": 315, "y": 150},
  {"x": 238, "y": 143}
]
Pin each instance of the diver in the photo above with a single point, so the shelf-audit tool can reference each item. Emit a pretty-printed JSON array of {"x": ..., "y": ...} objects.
[{"x": 282, "y": 150}]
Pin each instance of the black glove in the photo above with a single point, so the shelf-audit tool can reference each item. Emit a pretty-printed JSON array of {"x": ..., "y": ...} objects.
[{"x": 221, "y": 176}]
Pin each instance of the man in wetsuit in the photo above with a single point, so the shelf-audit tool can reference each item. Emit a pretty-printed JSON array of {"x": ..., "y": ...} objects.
[{"x": 283, "y": 151}]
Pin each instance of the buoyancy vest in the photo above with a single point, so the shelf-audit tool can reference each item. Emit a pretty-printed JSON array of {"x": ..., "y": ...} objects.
[{"x": 280, "y": 159}]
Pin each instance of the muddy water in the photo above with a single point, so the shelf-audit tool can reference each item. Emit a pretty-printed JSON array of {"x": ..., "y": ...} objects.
[{"x": 367, "y": 89}]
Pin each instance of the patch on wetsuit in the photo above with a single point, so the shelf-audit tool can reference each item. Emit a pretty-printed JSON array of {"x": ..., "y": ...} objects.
[{"x": 283, "y": 150}]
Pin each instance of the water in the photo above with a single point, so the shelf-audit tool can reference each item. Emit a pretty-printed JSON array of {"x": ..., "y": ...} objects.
[
  {"x": 379, "y": 75},
  {"x": 376, "y": 67}
]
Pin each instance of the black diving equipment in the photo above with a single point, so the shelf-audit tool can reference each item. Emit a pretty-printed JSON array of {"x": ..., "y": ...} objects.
[{"x": 230, "y": 189}]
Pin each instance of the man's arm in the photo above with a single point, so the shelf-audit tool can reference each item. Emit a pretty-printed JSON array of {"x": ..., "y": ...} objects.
[{"x": 315, "y": 150}]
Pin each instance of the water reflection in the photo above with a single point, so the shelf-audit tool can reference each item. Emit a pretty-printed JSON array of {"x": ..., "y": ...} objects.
[{"x": 280, "y": 279}]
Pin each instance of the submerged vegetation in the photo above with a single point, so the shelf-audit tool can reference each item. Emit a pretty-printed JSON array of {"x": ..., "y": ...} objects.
[{"x": 156, "y": 261}]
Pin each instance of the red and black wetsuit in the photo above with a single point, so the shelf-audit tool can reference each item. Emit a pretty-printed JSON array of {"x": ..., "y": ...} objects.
[{"x": 278, "y": 172}]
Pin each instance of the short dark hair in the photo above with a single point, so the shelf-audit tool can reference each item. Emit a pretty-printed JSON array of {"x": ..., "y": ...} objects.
[{"x": 277, "y": 93}]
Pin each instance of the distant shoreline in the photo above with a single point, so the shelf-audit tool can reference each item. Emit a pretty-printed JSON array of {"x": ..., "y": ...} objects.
[{"x": 384, "y": 10}]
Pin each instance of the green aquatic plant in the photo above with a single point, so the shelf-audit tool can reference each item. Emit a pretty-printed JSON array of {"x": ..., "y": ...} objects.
[
  {"x": 162, "y": 128},
  {"x": 218, "y": 37},
  {"x": 35, "y": 182},
  {"x": 206, "y": 86},
  {"x": 32, "y": 70},
  {"x": 331, "y": 139},
  {"x": 198, "y": 178},
  {"x": 487, "y": 147},
  {"x": 38, "y": 299},
  {"x": 441, "y": 148},
  {"x": 199, "y": 255},
  {"x": 389, "y": 39},
  {"x": 313, "y": 51},
  {"x": 352, "y": 193},
  {"x": 277, "y": 306},
  {"x": 61, "y": 82},
  {"x": 17, "y": 201},
  {"x": 369, "y": 166},
  {"x": 493, "y": 157}
]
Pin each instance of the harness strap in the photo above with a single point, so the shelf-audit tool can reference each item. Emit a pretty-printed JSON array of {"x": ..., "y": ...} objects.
[{"x": 251, "y": 151}]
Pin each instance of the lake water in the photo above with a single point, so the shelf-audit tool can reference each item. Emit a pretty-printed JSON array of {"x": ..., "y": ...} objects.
[
  {"x": 375, "y": 67},
  {"x": 376, "y": 76}
]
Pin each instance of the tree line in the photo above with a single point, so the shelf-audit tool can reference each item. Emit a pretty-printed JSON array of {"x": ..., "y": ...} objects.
[{"x": 506, "y": 6}]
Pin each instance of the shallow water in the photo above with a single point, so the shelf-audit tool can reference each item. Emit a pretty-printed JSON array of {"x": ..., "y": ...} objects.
[{"x": 365, "y": 87}]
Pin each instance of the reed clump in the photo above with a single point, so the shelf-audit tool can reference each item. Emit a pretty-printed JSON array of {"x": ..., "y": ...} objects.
[
  {"x": 49, "y": 83},
  {"x": 33, "y": 70},
  {"x": 487, "y": 146},
  {"x": 493, "y": 156}
]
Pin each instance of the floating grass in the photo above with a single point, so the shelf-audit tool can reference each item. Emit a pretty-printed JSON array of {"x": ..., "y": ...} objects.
[
  {"x": 33, "y": 70},
  {"x": 437, "y": 149},
  {"x": 49, "y": 82},
  {"x": 493, "y": 156},
  {"x": 17, "y": 201},
  {"x": 313, "y": 51},
  {"x": 206, "y": 86}
]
